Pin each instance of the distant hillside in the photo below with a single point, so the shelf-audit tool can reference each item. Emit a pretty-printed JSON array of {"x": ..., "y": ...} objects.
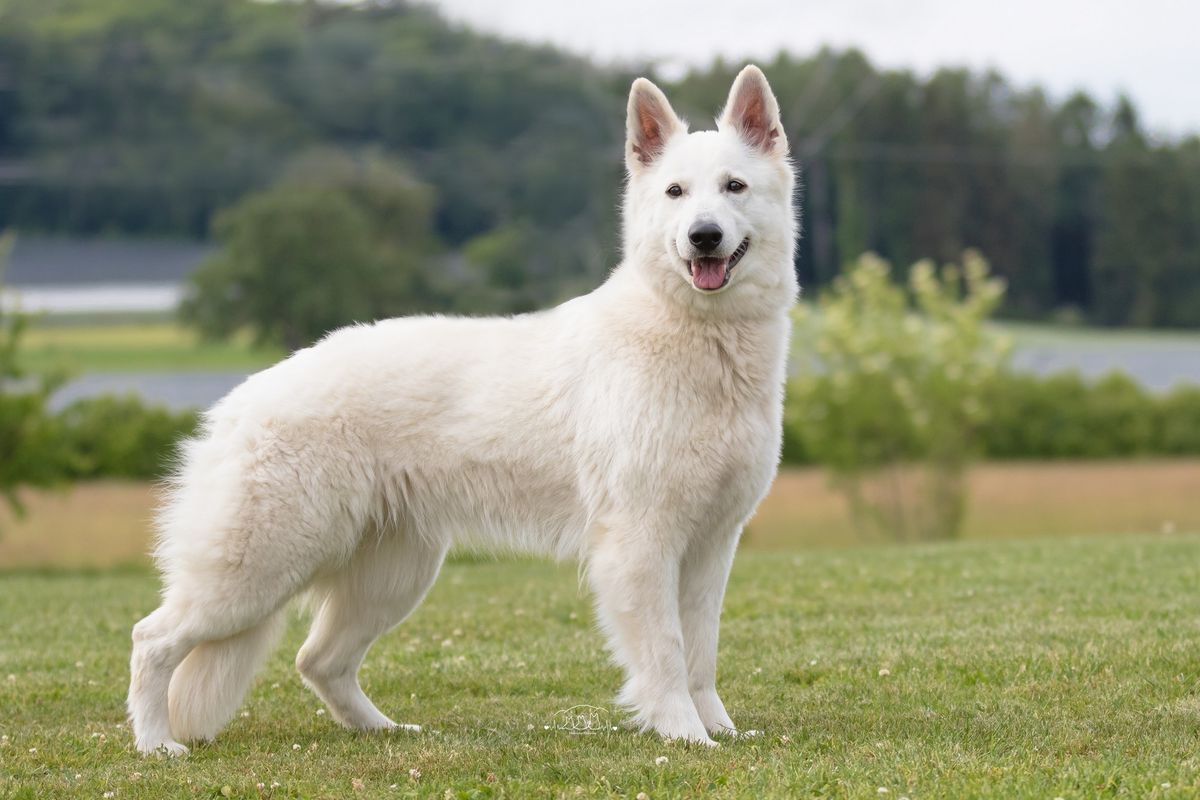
[{"x": 144, "y": 117}]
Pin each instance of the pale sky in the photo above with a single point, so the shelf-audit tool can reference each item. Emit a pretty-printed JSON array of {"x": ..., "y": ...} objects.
[{"x": 1147, "y": 48}]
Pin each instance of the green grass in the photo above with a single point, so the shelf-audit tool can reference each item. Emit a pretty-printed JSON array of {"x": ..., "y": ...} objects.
[
  {"x": 1033, "y": 334},
  {"x": 137, "y": 346},
  {"x": 1043, "y": 669},
  {"x": 152, "y": 342}
]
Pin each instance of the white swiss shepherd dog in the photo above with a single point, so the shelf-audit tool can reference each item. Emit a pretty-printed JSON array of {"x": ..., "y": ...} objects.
[{"x": 634, "y": 429}]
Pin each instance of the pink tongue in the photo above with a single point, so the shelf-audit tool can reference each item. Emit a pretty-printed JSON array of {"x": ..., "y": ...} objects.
[{"x": 708, "y": 273}]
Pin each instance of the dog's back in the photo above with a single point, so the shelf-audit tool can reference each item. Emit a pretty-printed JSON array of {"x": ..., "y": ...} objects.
[{"x": 635, "y": 428}]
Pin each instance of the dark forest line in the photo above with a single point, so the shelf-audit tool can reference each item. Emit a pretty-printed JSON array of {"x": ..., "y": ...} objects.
[{"x": 146, "y": 117}]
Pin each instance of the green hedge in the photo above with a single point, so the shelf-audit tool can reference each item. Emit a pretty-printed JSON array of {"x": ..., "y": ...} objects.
[
  {"x": 120, "y": 437},
  {"x": 1067, "y": 416},
  {"x": 1060, "y": 416}
]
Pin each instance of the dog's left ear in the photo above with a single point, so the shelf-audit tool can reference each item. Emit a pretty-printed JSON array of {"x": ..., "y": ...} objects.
[{"x": 753, "y": 112}]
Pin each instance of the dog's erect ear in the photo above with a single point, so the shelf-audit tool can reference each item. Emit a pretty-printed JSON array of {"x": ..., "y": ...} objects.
[
  {"x": 650, "y": 123},
  {"x": 753, "y": 112}
]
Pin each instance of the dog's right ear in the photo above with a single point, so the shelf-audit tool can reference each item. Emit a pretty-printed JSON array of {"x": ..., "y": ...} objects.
[{"x": 650, "y": 123}]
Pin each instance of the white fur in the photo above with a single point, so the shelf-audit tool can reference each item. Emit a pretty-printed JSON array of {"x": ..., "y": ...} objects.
[{"x": 635, "y": 428}]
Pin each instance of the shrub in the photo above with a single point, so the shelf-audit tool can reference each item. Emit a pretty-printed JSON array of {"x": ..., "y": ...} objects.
[
  {"x": 1178, "y": 423},
  {"x": 893, "y": 389},
  {"x": 1065, "y": 416},
  {"x": 30, "y": 452},
  {"x": 120, "y": 437}
]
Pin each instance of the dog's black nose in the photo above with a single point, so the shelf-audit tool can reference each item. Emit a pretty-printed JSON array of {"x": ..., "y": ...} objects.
[{"x": 706, "y": 236}]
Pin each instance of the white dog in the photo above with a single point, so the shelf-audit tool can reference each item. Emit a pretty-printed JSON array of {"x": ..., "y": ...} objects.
[{"x": 635, "y": 428}]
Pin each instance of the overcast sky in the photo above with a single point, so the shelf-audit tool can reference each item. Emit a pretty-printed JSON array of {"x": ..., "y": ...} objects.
[{"x": 1148, "y": 48}]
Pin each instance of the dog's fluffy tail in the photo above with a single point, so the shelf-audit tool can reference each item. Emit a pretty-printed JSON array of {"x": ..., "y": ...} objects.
[{"x": 207, "y": 688}]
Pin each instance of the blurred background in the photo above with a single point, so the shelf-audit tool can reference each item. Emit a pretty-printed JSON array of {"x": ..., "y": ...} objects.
[{"x": 189, "y": 191}]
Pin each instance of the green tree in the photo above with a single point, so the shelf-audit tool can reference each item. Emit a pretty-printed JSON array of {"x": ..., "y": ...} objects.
[
  {"x": 30, "y": 452},
  {"x": 335, "y": 242},
  {"x": 891, "y": 390}
]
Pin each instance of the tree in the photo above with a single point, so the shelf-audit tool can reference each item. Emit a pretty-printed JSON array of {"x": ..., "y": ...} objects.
[
  {"x": 335, "y": 242},
  {"x": 892, "y": 387},
  {"x": 30, "y": 452}
]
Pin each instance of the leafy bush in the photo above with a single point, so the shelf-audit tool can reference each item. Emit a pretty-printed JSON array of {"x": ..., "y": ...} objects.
[
  {"x": 893, "y": 389},
  {"x": 1178, "y": 421},
  {"x": 1065, "y": 416},
  {"x": 30, "y": 452},
  {"x": 120, "y": 437}
]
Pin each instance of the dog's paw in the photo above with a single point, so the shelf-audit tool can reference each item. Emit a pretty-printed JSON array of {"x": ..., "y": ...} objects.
[
  {"x": 679, "y": 721},
  {"x": 169, "y": 749},
  {"x": 713, "y": 715},
  {"x": 689, "y": 737}
]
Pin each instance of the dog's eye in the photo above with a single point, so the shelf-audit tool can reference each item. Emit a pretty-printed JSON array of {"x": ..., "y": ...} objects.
[
  {"x": 735, "y": 186},
  {"x": 675, "y": 190}
]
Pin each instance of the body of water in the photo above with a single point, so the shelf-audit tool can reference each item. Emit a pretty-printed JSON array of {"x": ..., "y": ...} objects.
[
  {"x": 177, "y": 390},
  {"x": 1156, "y": 368},
  {"x": 97, "y": 299}
]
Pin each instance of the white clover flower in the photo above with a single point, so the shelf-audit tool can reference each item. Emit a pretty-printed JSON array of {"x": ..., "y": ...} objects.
[{"x": 661, "y": 760}]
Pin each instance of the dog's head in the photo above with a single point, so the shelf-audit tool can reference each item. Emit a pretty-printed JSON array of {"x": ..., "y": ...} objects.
[{"x": 709, "y": 214}]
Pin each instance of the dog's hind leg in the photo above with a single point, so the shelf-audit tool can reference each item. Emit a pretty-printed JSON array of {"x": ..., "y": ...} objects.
[
  {"x": 385, "y": 580},
  {"x": 240, "y": 537},
  {"x": 236, "y": 614}
]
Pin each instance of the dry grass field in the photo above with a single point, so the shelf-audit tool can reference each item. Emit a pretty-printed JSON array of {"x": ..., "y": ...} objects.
[
  {"x": 107, "y": 523},
  {"x": 1017, "y": 500}
]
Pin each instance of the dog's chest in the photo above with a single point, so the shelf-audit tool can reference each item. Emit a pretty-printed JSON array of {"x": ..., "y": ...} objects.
[{"x": 695, "y": 414}]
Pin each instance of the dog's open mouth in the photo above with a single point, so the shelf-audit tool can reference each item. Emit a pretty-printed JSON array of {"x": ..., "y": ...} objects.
[{"x": 709, "y": 274}]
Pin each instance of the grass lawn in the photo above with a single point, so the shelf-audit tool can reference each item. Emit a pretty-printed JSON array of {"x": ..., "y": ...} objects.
[
  {"x": 157, "y": 342},
  {"x": 1054, "y": 668},
  {"x": 136, "y": 346}
]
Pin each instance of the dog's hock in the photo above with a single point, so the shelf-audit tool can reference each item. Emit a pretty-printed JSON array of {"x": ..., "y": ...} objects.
[
  {"x": 649, "y": 125},
  {"x": 753, "y": 112}
]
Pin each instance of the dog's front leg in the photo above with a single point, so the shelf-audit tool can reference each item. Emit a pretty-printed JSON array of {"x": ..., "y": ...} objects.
[
  {"x": 635, "y": 576},
  {"x": 703, "y": 574}
]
